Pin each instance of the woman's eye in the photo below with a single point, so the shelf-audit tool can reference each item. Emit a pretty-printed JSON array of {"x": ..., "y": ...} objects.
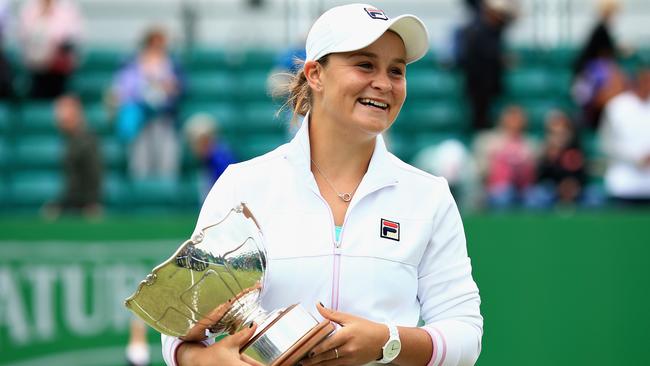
[
  {"x": 365, "y": 65},
  {"x": 397, "y": 71}
]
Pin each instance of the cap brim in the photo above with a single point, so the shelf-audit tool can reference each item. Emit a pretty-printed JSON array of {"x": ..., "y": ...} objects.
[
  {"x": 414, "y": 34},
  {"x": 409, "y": 27}
]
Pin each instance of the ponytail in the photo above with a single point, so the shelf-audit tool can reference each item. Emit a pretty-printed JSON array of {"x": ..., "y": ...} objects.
[{"x": 299, "y": 95}]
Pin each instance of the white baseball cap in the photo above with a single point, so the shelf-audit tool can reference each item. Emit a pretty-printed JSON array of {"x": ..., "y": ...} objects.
[{"x": 355, "y": 26}]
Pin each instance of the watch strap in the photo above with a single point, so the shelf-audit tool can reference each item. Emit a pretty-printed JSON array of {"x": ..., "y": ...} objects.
[{"x": 393, "y": 334}]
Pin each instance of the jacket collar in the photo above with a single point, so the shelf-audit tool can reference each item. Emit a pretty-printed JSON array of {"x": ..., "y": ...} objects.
[{"x": 382, "y": 170}]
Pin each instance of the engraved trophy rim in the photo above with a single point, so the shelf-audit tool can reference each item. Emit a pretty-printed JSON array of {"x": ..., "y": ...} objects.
[
  {"x": 131, "y": 302},
  {"x": 234, "y": 260}
]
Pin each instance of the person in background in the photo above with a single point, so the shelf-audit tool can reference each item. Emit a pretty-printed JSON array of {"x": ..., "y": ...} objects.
[
  {"x": 506, "y": 158},
  {"x": 597, "y": 77},
  {"x": 625, "y": 140},
  {"x": 474, "y": 6},
  {"x": 561, "y": 172},
  {"x": 6, "y": 74},
  {"x": 82, "y": 166},
  {"x": 451, "y": 160},
  {"x": 286, "y": 64},
  {"x": 480, "y": 57},
  {"x": 147, "y": 91},
  {"x": 214, "y": 154},
  {"x": 4, "y": 15},
  {"x": 137, "y": 349},
  {"x": 49, "y": 32}
]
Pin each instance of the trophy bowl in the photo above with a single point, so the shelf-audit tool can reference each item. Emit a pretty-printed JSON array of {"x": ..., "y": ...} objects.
[{"x": 212, "y": 286}]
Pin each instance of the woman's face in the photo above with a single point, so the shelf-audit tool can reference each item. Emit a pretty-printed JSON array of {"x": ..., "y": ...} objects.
[{"x": 364, "y": 89}]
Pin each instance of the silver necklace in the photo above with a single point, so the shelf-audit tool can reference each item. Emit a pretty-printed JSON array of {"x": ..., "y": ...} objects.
[{"x": 346, "y": 197}]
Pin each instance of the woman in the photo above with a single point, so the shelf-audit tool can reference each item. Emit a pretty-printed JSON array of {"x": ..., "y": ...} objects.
[
  {"x": 49, "y": 32},
  {"x": 507, "y": 159},
  {"x": 321, "y": 199},
  {"x": 561, "y": 170},
  {"x": 147, "y": 91}
]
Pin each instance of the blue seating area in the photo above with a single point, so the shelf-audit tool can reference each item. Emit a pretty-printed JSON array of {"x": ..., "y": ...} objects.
[{"x": 233, "y": 88}]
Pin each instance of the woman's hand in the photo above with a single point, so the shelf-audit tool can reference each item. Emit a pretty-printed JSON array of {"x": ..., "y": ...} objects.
[
  {"x": 357, "y": 342},
  {"x": 225, "y": 352}
]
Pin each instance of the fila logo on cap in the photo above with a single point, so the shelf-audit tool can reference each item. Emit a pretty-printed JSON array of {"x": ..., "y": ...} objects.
[
  {"x": 376, "y": 13},
  {"x": 389, "y": 229}
]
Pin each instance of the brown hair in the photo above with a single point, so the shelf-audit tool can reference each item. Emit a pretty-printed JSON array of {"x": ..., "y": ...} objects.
[
  {"x": 151, "y": 34},
  {"x": 299, "y": 95}
]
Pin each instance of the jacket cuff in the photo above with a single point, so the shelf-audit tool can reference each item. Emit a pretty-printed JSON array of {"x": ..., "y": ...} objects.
[
  {"x": 439, "y": 345},
  {"x": 169, "y": 348}
]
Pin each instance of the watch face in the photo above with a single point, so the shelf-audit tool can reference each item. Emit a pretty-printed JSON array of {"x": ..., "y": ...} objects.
[{"x": 392, "y": 349}]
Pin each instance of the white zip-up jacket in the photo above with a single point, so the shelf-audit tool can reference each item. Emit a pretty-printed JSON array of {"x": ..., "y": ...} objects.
[{"x": 419, "y": 271}]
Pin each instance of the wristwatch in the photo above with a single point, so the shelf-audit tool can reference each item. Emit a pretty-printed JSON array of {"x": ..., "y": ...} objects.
[{"x": 391, "y": 349}]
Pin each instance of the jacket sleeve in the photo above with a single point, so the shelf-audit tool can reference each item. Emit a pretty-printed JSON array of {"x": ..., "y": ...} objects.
[
  {"x": 218, "y": 202},
  {"x": 448, "y": 295}
]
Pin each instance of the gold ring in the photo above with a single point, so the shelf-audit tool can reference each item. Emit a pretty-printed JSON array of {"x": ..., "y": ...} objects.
[{"x": 336, "y": 351}]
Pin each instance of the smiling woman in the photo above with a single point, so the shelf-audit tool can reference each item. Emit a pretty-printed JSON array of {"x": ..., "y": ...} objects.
[
  {"x": 360, "y": 92},
  {"x": 377, "y": 244}
]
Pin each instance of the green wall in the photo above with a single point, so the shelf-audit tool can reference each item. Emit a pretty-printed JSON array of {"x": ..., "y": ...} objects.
[{"x": 562, "y": 289}]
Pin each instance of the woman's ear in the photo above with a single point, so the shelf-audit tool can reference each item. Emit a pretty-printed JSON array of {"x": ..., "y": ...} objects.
[{"x": 313, "y": 73}]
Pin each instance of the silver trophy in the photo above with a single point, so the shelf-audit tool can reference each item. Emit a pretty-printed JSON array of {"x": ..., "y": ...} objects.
[{"x": 212, "y": 286}]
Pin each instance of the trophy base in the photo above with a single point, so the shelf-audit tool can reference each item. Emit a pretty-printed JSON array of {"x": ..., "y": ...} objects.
[
  {"x": 287, "y": 338},
  {"x": 309, "y": 341}
]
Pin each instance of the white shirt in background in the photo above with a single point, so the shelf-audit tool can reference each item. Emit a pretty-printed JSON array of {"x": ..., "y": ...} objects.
[{"x": 625, "y": 139}]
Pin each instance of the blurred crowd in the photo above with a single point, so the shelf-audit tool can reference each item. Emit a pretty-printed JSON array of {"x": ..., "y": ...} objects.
[
  {"x": 142, "y": 99},
  {"x": 502, "y": 165},
  {"x": 505, "y": 166}
]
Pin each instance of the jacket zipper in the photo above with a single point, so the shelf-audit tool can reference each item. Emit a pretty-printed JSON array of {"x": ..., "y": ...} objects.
[
  {"x": 334, "y": 301},
  {"x": 337, "y": 245},
  {"x": 337, "y": 265}
]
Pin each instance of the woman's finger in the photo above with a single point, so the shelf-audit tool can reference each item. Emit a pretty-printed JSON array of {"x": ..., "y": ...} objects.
[
  {"x": 333, "y": 315},
  {"x": 335, "y": 340},
  {"x": 240, "y": 338},
  {"x": 332, "y": 354}
]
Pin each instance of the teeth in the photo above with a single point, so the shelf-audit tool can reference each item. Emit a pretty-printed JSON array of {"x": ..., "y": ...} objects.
[{"x": 374, "y": 103}]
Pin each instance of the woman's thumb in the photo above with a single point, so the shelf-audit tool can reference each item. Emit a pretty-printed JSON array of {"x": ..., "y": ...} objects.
[{"x": 330, "y": 314}]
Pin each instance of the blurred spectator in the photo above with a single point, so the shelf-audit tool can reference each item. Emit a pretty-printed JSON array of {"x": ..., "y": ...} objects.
[
  {"x": 474, "y": 6},
  {"x": 4, "y": 15},
  {"x": 6, "y": 79},
  {"x": 289, "y": 59},
  {"x": 452, "y": 160},
  {"x": 480, "y": 57},
  {"x": 6, "y": 75},
  {"x": 506, "y": 159},
  {"x": 597, "y": 76},
  {"x": 137, "y": 350},
  {"x": 625, "y": 139},
  {"x": 287, "y": 62},
  {"x": 561, "y": 173},
  {"x": 147, "y": 91},
  {"x": 215, "y": 155},
  {"x": 82, "y": 165},
  {"x": 50, "y": 31}
]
